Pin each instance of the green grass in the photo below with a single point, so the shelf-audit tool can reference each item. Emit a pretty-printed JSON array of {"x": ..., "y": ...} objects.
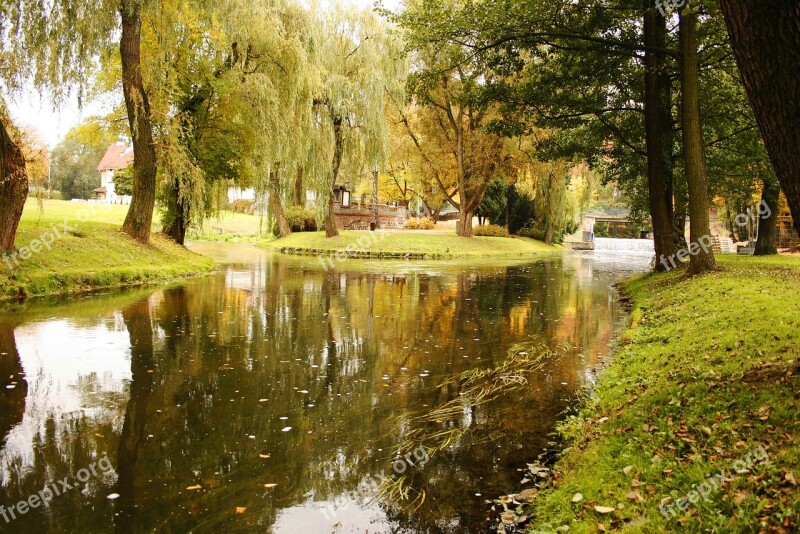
[
  {"x": 397, "y": 244},
  {"x": 232, "y": 227},
  {"x": 90, "y": 255},
  {"x": 709, "y": 374}
]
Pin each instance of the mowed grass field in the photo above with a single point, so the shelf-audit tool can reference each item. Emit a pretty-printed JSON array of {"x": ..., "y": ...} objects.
[{"x": 65, "y": 247}]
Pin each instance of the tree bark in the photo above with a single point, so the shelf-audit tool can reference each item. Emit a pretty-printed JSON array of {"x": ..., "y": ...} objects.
[
  {"x": 768, "y": 226},
  {"x": 179, "y": 215},
  {"x": 766, "y": 41},
  {"x": 702, "y": 258},
  {"x": 299, "y": 193},
  {"x": 140, "y": 214},
  {"x": 284, "y": 229},
  {"x": 13, "y": 188},
  {"x": 656, "y": 133},
  {"x": 338, "y": 138},
  {"x": 465, "y": 221}
]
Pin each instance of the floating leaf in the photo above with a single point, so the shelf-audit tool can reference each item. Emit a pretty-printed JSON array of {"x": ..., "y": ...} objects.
[
  {"x": 270, "y": 486},
  {"x": 240, "y": 509},
  {"x": 288, "y": 428},
  {"x": 194, "y": 488},
  {"x": 113, "y": 496}
]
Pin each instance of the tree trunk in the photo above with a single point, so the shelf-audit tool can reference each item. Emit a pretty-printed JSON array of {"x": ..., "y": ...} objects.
[
  {"x": 702, "y": 257},
  {"x": 465, "y": 221},
  {"x": 13, "y": 188},
  {"x": 655, "y": 30},
  {"x": 766, "y": 41},
  {"x": 140, "y": 214},
  {"x": 338, "y": 148},
  {"x": 284, "y": 229},
  {"x": 299, "y": 193},
  {"x": 177, "y": 215},
  {"x": 768, "y": 226}
]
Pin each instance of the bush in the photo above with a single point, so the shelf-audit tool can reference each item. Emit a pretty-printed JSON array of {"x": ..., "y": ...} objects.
[
  {"x": 532, "y": 233},
  {"x": 490, "y": 230},
  {"x": 301, "y": 219},
  {"x": 242, "y": 206},
  {"x": 420, "y": 223}
]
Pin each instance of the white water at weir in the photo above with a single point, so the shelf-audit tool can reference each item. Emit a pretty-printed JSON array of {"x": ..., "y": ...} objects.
[{"x": 629, "y": 246}]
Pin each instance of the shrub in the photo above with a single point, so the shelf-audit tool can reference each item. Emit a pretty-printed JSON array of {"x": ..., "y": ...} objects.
[
  {"x": 532, "y": 233},
  {"x": 490, "y": 230},
  {"x": 301, "y": 219},
  {"x": 420, "y": 223},
  {"x": 242, "y": 206}
]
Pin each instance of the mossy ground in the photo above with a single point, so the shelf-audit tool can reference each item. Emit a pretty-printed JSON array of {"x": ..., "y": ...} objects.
[
  {"x": 89, "y": 255},
  {"x": 708, "y": 375}
]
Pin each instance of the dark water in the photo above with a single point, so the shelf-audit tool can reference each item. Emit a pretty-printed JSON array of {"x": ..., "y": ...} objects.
[{"x": 273, "y": 372}]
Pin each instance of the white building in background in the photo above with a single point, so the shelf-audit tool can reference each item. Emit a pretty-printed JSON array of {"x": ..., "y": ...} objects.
[{"x": 118, "y": 156}]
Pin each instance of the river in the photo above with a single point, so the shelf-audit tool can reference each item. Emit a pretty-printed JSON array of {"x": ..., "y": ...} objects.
[{"x": 268, "y": 396}]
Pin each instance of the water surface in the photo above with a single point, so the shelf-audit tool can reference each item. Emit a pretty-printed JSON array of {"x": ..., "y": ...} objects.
[{"x": 261, "y": 398}]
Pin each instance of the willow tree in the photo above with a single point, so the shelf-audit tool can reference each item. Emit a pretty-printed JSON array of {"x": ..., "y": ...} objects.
[
  {"x": 50, "y": 46},
  {"x": 357, "y": 68}
]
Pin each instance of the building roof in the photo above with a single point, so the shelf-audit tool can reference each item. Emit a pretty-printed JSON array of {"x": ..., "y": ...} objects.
[{"x": 118, "y": 156}]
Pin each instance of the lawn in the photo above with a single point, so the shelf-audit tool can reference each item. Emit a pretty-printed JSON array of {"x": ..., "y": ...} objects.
[
  {"x": 707, "y": 383},
  {"x": 399, "y": 243},
  {"x": 62, "y": 249}
]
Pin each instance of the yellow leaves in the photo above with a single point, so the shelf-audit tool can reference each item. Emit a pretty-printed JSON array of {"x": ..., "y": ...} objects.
[{"x": 194, "y": 488}]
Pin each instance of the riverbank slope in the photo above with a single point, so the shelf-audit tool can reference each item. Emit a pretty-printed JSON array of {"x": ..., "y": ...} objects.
[
  {"x": 65, "y": 247},
  {"x": 694, "y": 425},
  {"x": 408, "y": 244}
]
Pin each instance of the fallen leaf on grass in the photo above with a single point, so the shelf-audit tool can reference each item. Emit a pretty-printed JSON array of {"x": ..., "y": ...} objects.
[
  {"x": 601, "y": 527},
  {"x": 577, "y": 498},
  {"x": 789, "y": 477},
  {"x": 635, "y": 496},
  {"x": 628, "y": 470},
  {"x": 603, "y": 509}
]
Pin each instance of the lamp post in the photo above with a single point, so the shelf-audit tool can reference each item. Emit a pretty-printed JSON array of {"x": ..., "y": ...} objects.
[{"x": 375, "y": 224}]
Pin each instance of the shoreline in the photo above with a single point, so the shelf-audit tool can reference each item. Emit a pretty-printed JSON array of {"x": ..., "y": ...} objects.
[{"x": 675, "y": 404}]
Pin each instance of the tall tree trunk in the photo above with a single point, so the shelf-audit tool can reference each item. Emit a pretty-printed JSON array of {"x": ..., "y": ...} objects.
[
  {"x": 657, "y": 134},
  {"x": 702, "y": 257},
  {"x": 465, "y": 221},
  {"x": 140, "y": 214},
  {"x": 299, "y": 192},
  {"x": 766, "y": 41},
  {"x": 338, "y": 148},
  {"x": 375, "y": 219},
  {"x": 768, "y": 226},
  {"x": 273, "y": 187},
  {"x": 13, "y": 188}
]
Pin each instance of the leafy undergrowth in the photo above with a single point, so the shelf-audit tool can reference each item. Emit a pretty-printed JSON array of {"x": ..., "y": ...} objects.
[
  {"x": 709, "y": 378},
  {"x": 92, "y": 255}
]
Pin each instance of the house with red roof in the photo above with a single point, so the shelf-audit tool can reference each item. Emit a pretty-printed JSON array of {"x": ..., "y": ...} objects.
[{"x": 118, "y": 156}]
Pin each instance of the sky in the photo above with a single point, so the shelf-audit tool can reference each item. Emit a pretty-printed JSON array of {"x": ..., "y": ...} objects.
[{"x": 37, "y": 112}]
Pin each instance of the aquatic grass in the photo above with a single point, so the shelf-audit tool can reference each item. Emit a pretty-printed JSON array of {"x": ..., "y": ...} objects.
[{"x": 438, "y": 429}]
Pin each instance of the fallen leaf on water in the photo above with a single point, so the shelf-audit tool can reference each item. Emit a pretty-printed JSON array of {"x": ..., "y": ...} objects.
[
  {"x": 288, "y": 428},
  {"x": 194, "y": 488},
  {"x": 264, "y": 456},
  {"x": 577, "y": 497},
  {"x": 240, "y": 509},
  {"x": 603, "y": 509},
  {"x": 270, "y": 486},
  {"x": 113, "y": 496}
]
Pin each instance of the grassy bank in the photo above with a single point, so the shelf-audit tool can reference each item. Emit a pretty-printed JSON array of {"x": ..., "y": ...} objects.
[
  {"x": 414, "y": 245},
  {"x": 707, "y": 384},
  {"x": 76, "y": 256}
]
